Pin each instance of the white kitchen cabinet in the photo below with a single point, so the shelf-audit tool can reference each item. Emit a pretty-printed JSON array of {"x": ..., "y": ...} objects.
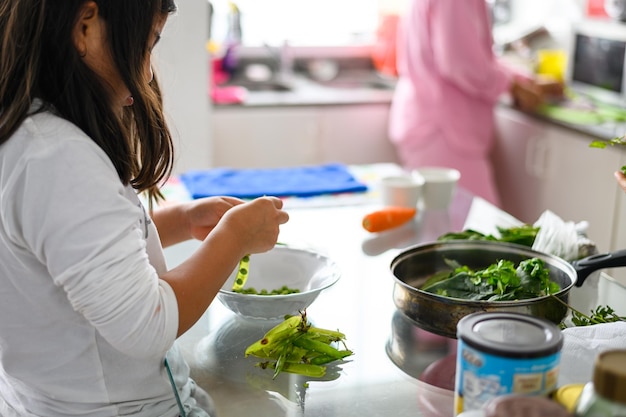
[
  {"x": 619, "y": 230},
  {"x": 541, "y": 166},
  {"x": 265, "y": 137},
  {"x": 278, "y": 136},
  {"x": 518, "y": 183},
  {"x": 355, "y": 134}
]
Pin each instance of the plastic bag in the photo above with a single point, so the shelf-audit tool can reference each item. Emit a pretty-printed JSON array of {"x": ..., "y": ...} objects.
[{"x": 566, "y": 240}]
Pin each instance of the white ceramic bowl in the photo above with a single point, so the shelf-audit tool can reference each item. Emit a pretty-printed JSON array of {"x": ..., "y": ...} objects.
[{"x": 305, "y": 270}]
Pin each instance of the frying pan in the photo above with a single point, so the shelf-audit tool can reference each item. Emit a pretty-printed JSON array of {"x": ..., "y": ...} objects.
[{"x": 440, "y": 314}]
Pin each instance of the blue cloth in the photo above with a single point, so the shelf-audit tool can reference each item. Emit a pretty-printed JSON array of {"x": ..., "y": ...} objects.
[{"x": 305, "y": 181}]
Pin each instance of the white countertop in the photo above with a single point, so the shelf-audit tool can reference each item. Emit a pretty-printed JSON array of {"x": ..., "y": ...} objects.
[{"x": 390, "y": 352}]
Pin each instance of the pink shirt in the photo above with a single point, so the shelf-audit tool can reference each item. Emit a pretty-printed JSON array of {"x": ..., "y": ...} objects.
[{"x": 449, "y": 78}]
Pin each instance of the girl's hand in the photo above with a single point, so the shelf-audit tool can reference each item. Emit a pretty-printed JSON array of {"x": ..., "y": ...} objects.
[
  {"x": 621, "y": 179},
  {"x": 236, "y": 229},
  {"x": 255, "y": 224},
  {"x": 203, "y": 215}
]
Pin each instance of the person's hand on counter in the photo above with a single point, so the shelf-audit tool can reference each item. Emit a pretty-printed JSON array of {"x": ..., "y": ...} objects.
[
  {"x": 529, "y": 93},
  {"x": 550, "y": 87}
]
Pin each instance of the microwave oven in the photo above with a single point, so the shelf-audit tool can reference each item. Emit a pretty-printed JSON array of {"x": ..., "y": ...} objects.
[{"x": 597, "y": 60}]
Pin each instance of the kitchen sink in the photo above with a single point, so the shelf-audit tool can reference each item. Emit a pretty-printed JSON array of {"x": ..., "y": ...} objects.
[
  {"x": 270, "y": 85},
  {"x": 357, "y": 83}
]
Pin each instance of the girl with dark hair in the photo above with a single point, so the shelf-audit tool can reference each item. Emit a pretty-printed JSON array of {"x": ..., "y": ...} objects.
[{"x": 89, "y": 313}]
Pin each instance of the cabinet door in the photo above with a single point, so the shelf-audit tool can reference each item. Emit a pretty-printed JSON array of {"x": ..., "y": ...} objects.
[
  {"x": 542, "y": 166},
  {"x": 579, "y": 183},
  {"x": 356, "y": 134},
  {"x": 265, "y": 137},
  {"x": 619, "y": 228},
  {"x": 519, "y": 162}
]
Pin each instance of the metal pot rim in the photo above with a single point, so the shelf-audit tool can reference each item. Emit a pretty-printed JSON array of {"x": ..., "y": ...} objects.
[{"x": 513, "y": 248}]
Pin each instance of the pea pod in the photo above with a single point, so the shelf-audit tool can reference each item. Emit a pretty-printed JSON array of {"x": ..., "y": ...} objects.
[
  {"x": 297, "y": 347},
  {"x": 316, "y": 346},
  {"x": 306, "y": 369},
  {"x": 242, "y": 273},
  {"x": 331, "y": 335},
  {"x": 321, "y": 360},
  {"x": 275, "y": 337},
  {"x": 282, "y": 359}
]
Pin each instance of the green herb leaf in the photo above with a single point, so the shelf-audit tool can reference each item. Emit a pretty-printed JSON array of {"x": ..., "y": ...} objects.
[
  {"x": 602, "y": 314},
  {"x": 497, "y": 282},
  {"x": 599, "y": 144},
  {"x": 522, "y": 235}
]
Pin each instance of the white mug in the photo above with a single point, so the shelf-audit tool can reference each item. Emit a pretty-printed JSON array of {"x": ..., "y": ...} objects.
[
  {"x": 439, "y": 186},
  {"x": 401, "y": 190}
]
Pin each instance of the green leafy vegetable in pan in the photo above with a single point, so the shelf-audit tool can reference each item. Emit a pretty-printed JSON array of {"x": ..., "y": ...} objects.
[{"x": 502, "y": 281}]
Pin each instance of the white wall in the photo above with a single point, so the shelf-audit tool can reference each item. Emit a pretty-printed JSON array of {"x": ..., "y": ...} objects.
[
  {"x": 182, "y": 65},
  {"x": 555, "y": 15},
  {"x": 301, "y": 23}
]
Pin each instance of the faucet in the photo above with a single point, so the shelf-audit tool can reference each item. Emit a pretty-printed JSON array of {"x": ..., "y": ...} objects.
[{"x": 282, "y": 56}]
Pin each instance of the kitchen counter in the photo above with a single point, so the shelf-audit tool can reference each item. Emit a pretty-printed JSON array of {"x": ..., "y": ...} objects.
[
  {"x": 605, "y": 130},
  {"x": 305, "y": 92},
  {"x": 383, "y": 376},
  {"x": 359, "y": 304}
]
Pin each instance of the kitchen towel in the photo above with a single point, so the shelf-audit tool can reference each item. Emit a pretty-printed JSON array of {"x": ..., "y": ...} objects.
[
  {"x": 304, "y": 181},
  {"x": 581, "y": 345}
]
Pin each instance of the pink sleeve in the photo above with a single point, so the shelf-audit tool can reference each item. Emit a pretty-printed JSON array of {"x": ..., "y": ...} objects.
[{"x": 462, "y": 46}]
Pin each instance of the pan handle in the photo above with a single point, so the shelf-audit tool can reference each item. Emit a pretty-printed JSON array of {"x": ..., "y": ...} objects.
[{"x": 585, "y": 266}]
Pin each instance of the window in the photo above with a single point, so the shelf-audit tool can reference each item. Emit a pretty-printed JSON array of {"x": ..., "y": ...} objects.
[{"x": 299, "y": 22}]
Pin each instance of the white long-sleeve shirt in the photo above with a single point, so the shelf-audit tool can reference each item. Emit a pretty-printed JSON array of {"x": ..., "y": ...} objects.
[{"x": 85, "y": 321}]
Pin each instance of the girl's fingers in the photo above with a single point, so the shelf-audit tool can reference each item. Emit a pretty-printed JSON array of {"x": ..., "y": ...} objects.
[{"x": 621, "y": 179}]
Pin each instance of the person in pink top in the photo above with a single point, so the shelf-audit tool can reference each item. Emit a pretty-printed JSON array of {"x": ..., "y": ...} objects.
[{"x": 449, "y": 81}]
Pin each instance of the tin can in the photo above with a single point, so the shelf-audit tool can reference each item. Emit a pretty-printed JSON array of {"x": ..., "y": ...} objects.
[{"x": 504, "y": 353}]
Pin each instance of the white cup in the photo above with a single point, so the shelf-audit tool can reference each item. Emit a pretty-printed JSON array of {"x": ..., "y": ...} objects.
[
  {"x": 401, "y": 190},
  {"x": 439, "y": 186}
]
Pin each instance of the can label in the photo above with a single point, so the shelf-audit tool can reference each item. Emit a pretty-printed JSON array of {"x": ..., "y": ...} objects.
[{"x": 481, "y": 376}]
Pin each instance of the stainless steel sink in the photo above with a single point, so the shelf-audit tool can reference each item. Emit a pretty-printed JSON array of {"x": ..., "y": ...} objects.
[
  {"x": 270, "y": 85},
  {"x": 358, "y": 83}
]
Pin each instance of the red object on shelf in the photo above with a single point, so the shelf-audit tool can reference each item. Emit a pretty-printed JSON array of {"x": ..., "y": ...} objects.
[
  {"x": 221, "y": 94},
  {"x": 219, "y": 75},
  {"x": 595, "y": 8},
  {"x": 384, "y": 52}
]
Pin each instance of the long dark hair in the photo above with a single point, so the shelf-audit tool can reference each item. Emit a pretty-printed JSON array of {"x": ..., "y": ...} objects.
[{"x": 38, "y": 59}]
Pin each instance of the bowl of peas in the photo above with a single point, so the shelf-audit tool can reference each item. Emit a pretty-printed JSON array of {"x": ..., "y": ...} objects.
[{"x": 280, "y": 282}]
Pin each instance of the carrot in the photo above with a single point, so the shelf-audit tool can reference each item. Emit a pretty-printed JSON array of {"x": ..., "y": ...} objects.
[{"x": 388, "y": 218}]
